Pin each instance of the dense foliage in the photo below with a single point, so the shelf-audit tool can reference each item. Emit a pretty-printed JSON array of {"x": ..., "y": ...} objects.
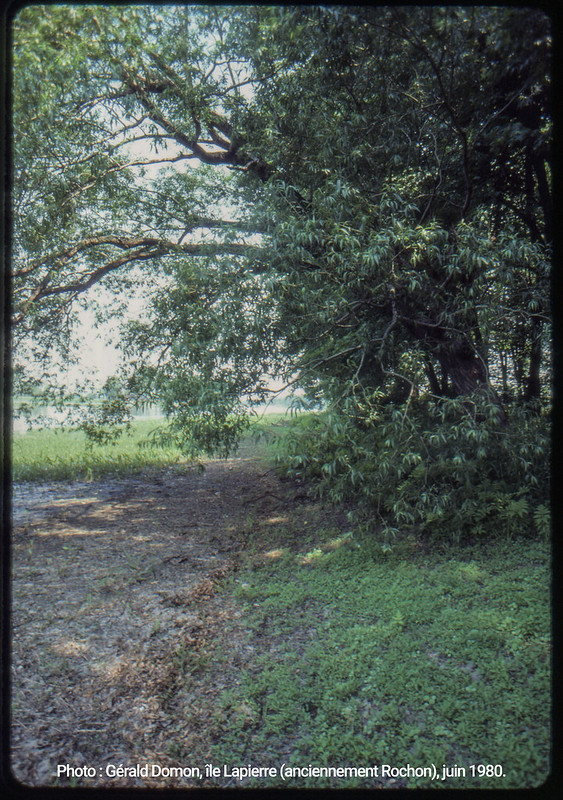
[{"x": 354, "y": 199}]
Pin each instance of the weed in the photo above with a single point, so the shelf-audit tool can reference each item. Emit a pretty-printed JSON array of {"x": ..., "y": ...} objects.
[
  {"x": 175, "y": 750},
  {"x": 187, "y": 660}
]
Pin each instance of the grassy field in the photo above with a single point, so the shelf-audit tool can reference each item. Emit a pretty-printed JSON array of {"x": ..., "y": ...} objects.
[
  {"x": 426, "y": 655},
  {"x": 65, "y": 454}
]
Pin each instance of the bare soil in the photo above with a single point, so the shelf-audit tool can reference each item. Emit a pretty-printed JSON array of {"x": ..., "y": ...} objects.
[{"x": 124, "y": 631}]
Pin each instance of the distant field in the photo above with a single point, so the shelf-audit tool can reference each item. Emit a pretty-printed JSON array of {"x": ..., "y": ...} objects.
[
  {"x": 63, "y": 454},
  {"x": 67, "y": 454}
]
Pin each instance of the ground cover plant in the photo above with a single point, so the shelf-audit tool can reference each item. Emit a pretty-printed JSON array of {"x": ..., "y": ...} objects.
[{"x": 412, "y": 657}]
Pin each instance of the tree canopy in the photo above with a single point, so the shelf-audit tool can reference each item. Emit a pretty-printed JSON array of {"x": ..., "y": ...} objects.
[{"x": 356, "y": 200}]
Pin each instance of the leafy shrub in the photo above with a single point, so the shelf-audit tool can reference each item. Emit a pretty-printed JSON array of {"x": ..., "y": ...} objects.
[{"x": 444, "y": 469}]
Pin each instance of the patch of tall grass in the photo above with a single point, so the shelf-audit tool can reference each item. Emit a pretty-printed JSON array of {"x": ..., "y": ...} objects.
[
  {"x": 67, "y": 454},
  {"x": 59, "y": 454},
  {"x": 271, "y": 428}
]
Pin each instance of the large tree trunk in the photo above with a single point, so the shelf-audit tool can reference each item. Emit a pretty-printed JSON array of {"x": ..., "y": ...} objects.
[
  {"x": 435, "y": 387},
  {"x": 468, "y": 374},
  {"x": 460, "y": 362},
  {"x": 464, "y": 368}
]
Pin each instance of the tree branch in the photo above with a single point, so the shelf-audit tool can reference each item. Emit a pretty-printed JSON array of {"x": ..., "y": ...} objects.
[
  {"x": 228, "y": 155},
  {"x": 141, "y": 249}
]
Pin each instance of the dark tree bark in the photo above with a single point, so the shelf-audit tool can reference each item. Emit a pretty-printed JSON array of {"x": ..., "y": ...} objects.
[
  {"x": 464, "y": 368},
  {"x": 460, "y": 361},
  {"x": 435, "y": 387},
  {"x": 469, "y": 375},
  {"x": 544, "y": 194},
  {"x": 533, "y": 386}
]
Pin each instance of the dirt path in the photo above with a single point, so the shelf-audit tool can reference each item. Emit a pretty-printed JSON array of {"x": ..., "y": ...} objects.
[{"x": 115, "y": 600}]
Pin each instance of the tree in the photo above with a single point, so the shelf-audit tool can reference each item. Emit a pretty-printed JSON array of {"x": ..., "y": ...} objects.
[{"x": 382, "y": 177}]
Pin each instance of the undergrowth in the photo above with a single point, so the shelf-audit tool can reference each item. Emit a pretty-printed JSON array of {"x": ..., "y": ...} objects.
[
  {"x": 400, "y": 658},
  {"x": 439, "y": 470}
]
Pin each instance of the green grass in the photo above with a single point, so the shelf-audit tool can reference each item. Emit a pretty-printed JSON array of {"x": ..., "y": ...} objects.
[
  {"x": 269, "y": 430},
  {"x": 397, "y": 659},
  {"x": 65, "y": 454}
]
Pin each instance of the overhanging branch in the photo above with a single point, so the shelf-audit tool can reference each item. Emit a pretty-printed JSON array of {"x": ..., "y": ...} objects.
[{"x": 139, "y": 249}]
